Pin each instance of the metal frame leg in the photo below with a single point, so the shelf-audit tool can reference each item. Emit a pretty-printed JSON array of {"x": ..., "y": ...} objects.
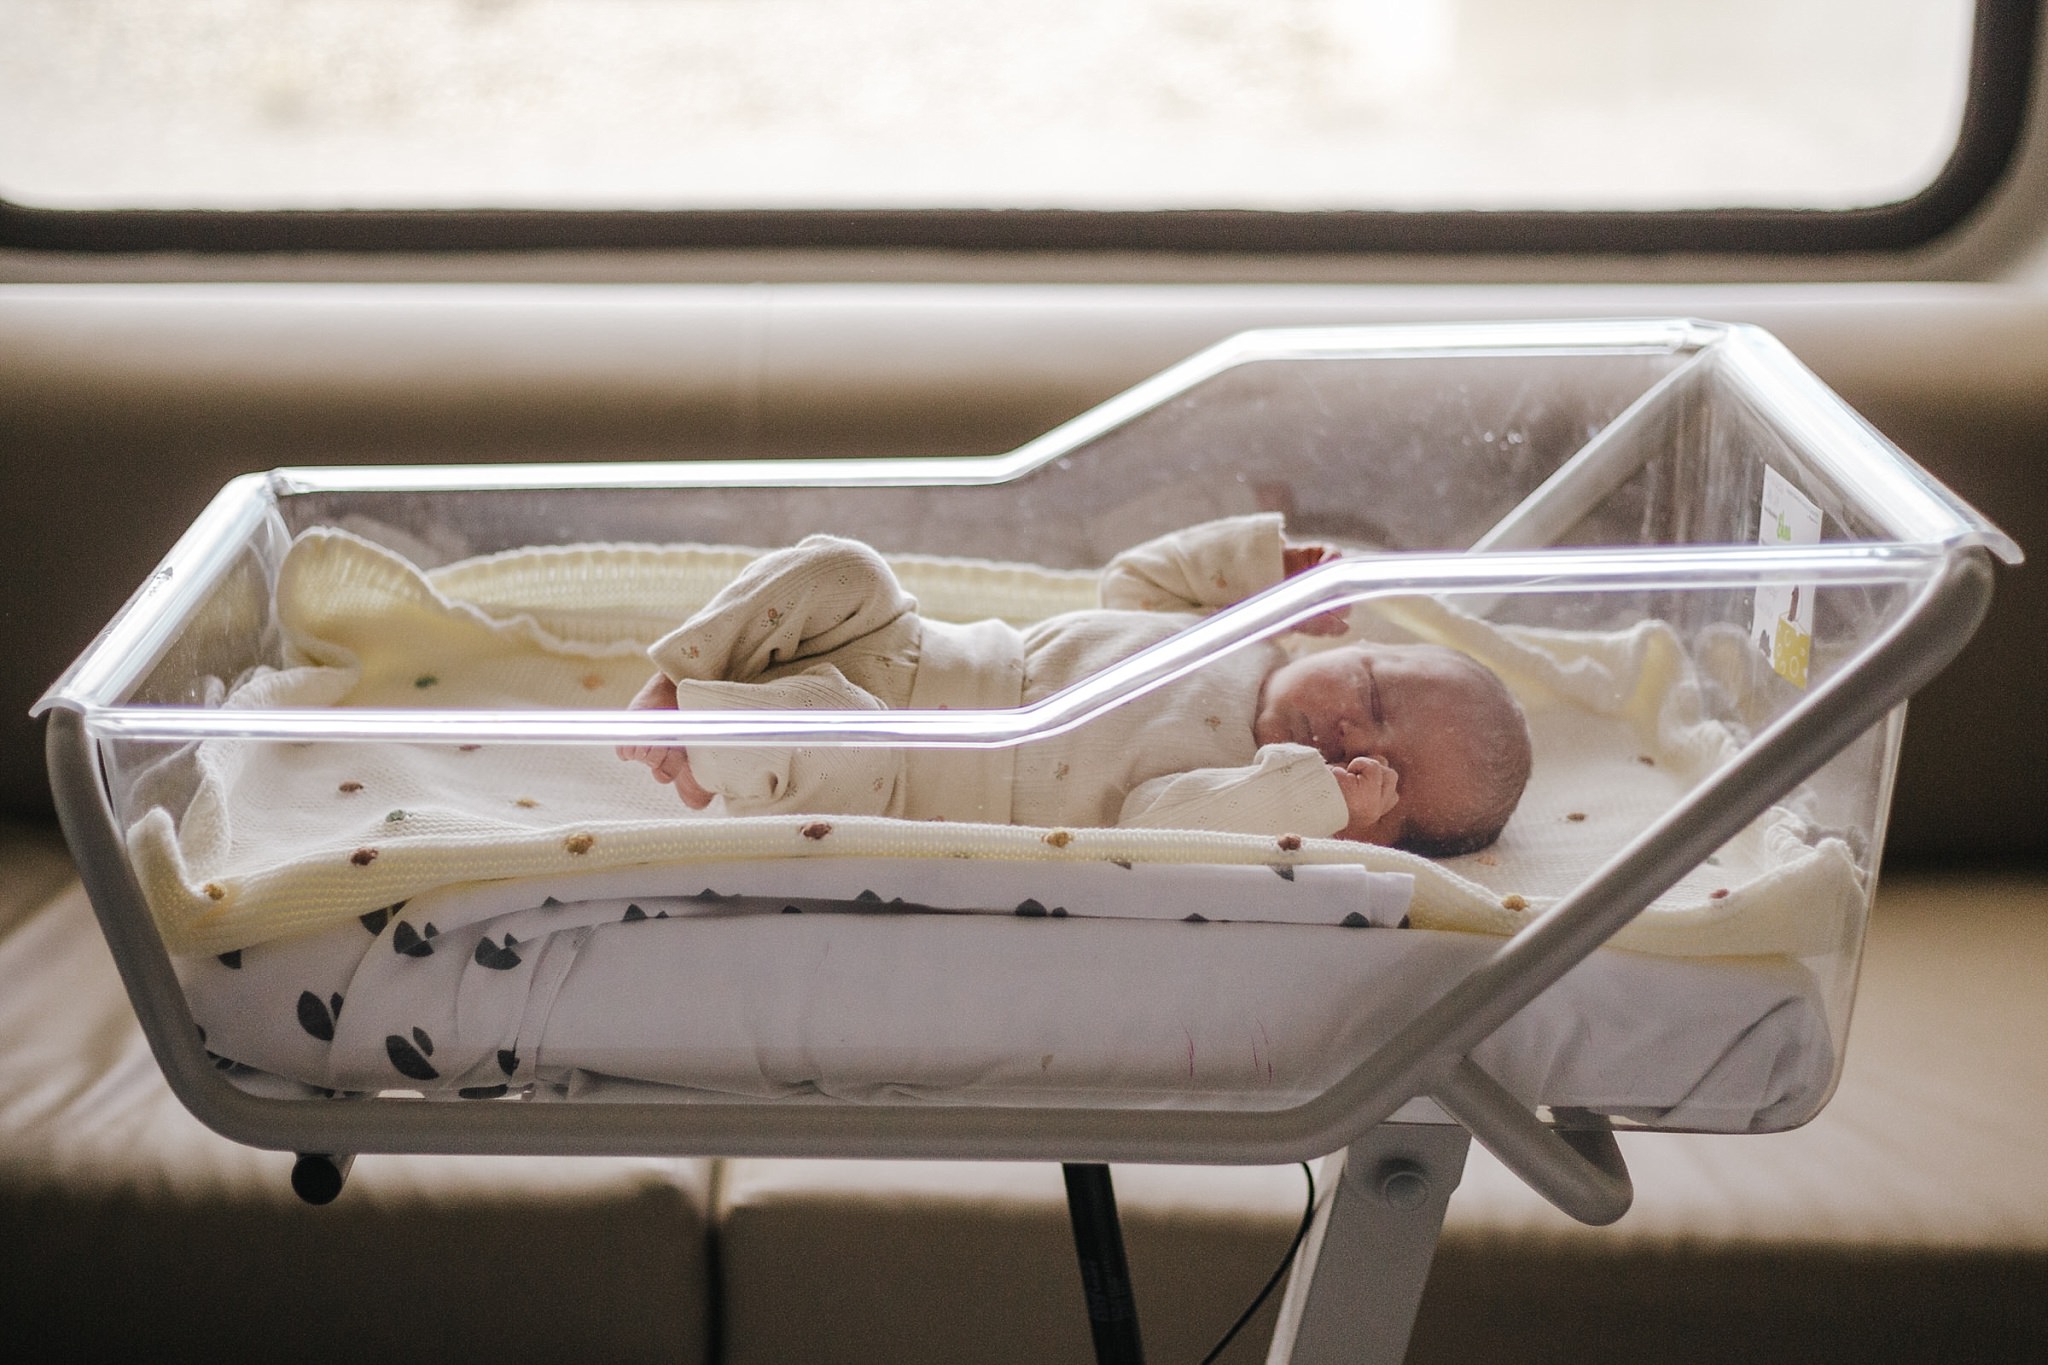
[
  {"x": 1105, "y": 1273},
  {"x": 317, "y": 1177},
  {"x": 1358, "y": 1280}
]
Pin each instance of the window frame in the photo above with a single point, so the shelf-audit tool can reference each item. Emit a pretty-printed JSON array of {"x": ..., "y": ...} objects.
[{"x": 1993, "y": 123}]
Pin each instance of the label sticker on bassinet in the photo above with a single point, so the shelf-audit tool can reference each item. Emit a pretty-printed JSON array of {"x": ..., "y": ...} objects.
[{"x": 1782, "y": 623}]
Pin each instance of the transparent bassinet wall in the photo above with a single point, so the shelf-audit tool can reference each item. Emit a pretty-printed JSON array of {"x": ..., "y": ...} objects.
[{"x": 1616, "y": 473}]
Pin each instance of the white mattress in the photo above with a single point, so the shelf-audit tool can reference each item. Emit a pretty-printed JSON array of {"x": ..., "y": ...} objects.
[{"x": 637, "y": 984}]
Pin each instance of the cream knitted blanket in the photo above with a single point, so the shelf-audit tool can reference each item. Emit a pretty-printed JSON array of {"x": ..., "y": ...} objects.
[{"x": 241, "y": 841}]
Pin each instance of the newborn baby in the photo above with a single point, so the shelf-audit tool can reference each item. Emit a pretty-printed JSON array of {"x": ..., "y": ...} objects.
[{"x": 1410, "y": 746}]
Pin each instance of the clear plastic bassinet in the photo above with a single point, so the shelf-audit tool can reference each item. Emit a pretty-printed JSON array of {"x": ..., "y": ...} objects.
[{"x": 1669, "y": 524}]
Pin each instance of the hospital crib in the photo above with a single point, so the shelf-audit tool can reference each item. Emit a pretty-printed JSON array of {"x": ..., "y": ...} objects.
[{"x": 1540, "y": 489}]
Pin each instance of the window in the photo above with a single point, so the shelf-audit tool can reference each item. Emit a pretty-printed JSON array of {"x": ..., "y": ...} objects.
[{"x": 1289, "y": 124}]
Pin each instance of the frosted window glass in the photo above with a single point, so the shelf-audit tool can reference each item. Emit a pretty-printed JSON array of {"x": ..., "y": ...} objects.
[{"x": 1085, "y": 104}]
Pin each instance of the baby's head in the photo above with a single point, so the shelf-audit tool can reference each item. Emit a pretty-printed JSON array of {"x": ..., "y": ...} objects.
[{"x": 1447, "y": 726}]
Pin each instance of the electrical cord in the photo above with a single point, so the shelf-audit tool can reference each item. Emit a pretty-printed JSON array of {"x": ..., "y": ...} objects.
[{"x": 1300, "y": 1234}]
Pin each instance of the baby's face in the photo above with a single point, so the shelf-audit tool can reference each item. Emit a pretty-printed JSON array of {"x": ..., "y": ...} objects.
[{"x": 1427, "y": 712}]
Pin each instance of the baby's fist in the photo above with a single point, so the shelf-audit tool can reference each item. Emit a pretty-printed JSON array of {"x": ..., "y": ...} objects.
[{"x": 1370, "y": 790}]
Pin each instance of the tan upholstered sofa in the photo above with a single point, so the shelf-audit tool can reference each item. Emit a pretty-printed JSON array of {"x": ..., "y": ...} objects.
[{"x": 1909, "y": 1222}]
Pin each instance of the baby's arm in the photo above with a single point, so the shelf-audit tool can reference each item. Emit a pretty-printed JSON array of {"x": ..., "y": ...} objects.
[
  {"x": 1198, "y": 569},
  {"x": 789, "y": 605},
  {"x": 1214, "y": 565},
  {"x": 783, "y": 779},
  {"x": 1288, "y": 789}
]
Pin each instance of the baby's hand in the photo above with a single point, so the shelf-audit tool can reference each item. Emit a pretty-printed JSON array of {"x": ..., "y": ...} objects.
[
  {"x": 1370, "y": 789},
  {"x": 669, "y": 764},
  {"x": 1295, "y": 559}
]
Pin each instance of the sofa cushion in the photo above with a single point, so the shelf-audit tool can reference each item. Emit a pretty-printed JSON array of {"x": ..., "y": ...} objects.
[
  {"x": 859, "y": 1262},
  {"x": 1908, "y": 1222},
  {"x": 132, "y": 1229}
]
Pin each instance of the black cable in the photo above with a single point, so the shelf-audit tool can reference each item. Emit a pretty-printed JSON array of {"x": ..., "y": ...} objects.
[
  {"x": 1301, "y": 1233},
  {"x": 1105, "y": 1275}
]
